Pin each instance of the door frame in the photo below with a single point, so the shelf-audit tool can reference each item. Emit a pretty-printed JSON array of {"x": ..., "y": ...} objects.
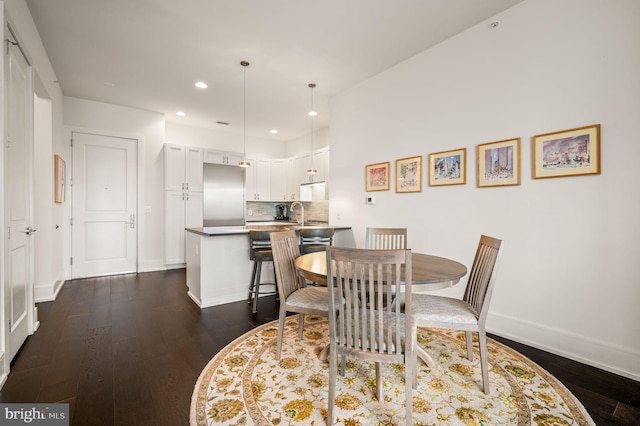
[{"x": 139, "y": 138}]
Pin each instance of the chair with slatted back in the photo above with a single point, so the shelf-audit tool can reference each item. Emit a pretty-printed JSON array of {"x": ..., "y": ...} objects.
[
  {"x": 468, "y": 314},
  {"x": 372, "y": 332},
  {"x": 294, "y": 295},
  {"x": 315, "y": 239},
  {"x": 386, "y": 238}
]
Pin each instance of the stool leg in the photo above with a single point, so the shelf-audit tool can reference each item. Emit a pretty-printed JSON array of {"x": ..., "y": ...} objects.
[
  {"x": 251, "y": 284},
  {"x": 256, "y": 293}
]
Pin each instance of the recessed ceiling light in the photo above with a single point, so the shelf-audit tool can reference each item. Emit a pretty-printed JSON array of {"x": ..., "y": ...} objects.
[
  {"x": 273, "y": 131},
  {"x": 201, "y": 85},
  {"x": 180, "y": 114},
  {"x": 313, "y": 113}
]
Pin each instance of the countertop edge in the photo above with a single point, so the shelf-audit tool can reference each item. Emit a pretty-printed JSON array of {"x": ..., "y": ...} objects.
[{"x": 243, "y": 230}]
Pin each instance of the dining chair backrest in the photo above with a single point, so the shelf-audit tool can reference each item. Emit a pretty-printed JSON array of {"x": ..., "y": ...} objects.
[
  {"x": 483, "y": 275},
  {"x": 365, "y": 279},
  {"x": 285, "y": 249},
  {"x": 315, "y": 239},
  {"x": 386, "y": 238}
]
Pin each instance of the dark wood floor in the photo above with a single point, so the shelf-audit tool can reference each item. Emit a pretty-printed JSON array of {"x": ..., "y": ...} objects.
[{"x": 127, "y": 350}]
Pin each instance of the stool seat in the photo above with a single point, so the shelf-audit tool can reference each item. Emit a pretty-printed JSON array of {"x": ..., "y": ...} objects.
[{"x": 260, "y": 251}]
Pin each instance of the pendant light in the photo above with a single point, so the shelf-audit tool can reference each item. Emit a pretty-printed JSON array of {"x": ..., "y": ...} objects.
[
  {"x": 312, "y": 113},
  {"x": 244, "y": 162}
]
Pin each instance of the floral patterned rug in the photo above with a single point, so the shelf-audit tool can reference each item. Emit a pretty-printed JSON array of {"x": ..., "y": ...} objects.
[{"x": 245, "y": 385}]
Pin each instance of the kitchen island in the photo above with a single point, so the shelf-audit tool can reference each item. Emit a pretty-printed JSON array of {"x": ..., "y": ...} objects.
[{"x": 218, "y": 264}]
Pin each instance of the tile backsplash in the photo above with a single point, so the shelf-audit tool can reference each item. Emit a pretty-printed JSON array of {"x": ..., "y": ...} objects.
[{"x": 316, "y": 211}]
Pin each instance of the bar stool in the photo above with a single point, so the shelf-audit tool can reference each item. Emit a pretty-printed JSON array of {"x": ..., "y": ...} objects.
[
  {"x": 259, "y": 251},
  {"x": 315, "y": 239}
]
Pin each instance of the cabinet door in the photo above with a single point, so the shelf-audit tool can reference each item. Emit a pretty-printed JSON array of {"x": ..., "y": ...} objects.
[
  {"x": 279, "y": 180},
  {"x": 193, "y": 210},
  {"x": 233, "y": 158},
  {"x": 293, "y": 185},
  {"x": 193, "y": 169},
  {"x": 263, "y": 179},
  {"x": 321, "y": 164},
  {"x": 304, "y": 164},
  {"x": 214, "y": 156},
  {"x": 250, "y": 190},
  {"x": 174, "y": 164},
  {"x": 174, "y": 227}
]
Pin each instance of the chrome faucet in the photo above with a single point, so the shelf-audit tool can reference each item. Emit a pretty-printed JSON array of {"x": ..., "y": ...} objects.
[{"x": 298, "y": 203}]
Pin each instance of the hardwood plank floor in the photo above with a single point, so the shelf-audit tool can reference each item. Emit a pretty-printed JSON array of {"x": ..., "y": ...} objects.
[{"x": 127, "y": 350}]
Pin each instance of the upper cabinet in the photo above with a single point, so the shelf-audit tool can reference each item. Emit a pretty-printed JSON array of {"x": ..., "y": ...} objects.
[
  {"x": 222, "y": 157},
  {"x": 319, "y": 160},
  {"x": 182, "y": 168},
  {"x": 278, "y": 178},
  {"x": 258, "y": 180}
]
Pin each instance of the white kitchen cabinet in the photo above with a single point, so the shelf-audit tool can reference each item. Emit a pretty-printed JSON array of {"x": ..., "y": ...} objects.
[
  {"x": 319, "y": 160},
  {"x": 293, "y": 184},
  {"x": 182, "y": 168},
  {"x": 278, "y": 179},
  {"x": 223, "y": 157},
  {"x": 258, "y": 180},
  {"x": 183, "y": 209}
]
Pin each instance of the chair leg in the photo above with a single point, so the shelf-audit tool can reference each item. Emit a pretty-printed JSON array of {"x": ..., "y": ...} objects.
[
  {"x": 333, "y": 372},
  {"x": 410, "y": 364},
  {"x": 469, "y": 339},
  {"x": 300, "y": 325},
  {"x": 343, "y": 367},
  {"x": 484, "y": 363},
  {"x": 379, "y": 385},
  {"x": 281, "y": 318}
]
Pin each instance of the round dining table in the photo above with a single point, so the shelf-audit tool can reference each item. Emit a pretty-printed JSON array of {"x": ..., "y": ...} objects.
[{"x": 427, "y": 273}]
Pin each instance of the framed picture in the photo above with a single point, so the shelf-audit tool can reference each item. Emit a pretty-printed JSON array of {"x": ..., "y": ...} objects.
[
  {"x": 572, "y": 152},
  {"x": 448, "y": 167},
  {"x": 499, "y": 163},
  {"x": 377, "y": 177},
  {"x": 59, "y": 177},
  {"x": 409, "y": 174}
]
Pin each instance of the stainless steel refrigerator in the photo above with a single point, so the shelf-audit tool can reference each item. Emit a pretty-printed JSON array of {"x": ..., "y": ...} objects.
[{"x": 223, "y": 195}]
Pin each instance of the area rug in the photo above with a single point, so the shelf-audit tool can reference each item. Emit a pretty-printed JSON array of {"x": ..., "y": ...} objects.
[{"x": 245, "y": 385}]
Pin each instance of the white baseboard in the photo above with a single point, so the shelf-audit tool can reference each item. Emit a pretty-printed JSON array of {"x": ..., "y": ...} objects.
[
  {"x": 194, "y": 298},
  {"x": 153, "y": 266},
  {"x": 616, "y": 359}
]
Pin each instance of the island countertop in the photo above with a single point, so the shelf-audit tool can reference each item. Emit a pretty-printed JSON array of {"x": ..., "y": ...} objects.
[{"x": 211, "y": 231}]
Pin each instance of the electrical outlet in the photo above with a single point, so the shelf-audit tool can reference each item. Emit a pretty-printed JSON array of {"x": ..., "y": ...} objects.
[{"x": 250, "y": 212}]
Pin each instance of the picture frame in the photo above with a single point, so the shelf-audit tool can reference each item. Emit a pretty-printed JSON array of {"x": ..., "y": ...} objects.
[
  {"x": 572, "y": 152},
  {"x": 377, "y": 177},
  {"x": 499, "y": 163},
  {"x": 409, "y": 174},
  {"x": 448, "y": 167},
  {"x": 59, "y": 178}
]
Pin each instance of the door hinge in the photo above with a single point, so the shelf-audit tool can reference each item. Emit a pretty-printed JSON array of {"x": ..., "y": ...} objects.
[
  {"x": 8, "y": 142},
  {"x": 71, "y": 140},
  {"x": 9, "y": 233},
  {"x": 9, "y": 325},
  {"x": 71, "y": 261},
  {"x": 71, "y": 221}
]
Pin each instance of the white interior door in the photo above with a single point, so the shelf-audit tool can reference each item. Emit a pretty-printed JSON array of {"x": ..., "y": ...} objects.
[
  {"x": 104, "y": 205},
  {"x": 18, "y": 198}
]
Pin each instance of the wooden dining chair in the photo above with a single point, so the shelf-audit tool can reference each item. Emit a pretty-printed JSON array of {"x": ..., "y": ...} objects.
[
  {"x": 468, "y": 314},
  {"x": 386, "y": 238},
  {"x": 295, "y": 296},
  {"x": 357, "y": 329}
]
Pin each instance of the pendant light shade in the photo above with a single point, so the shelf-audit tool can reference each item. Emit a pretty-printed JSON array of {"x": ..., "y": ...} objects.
[
  {"x": 244, "y": 162},
  {"x": 312, "y": 113}
]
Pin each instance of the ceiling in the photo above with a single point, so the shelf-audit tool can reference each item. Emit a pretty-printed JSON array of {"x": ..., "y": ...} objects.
[{"x": 148, "y": 54}]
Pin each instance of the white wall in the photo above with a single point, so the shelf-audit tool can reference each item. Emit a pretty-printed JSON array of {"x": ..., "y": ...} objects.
[
  {"x": 569, "y": 275},
  {"x": 302, "y": 145},
  {"x": 81, "y": 113}
]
